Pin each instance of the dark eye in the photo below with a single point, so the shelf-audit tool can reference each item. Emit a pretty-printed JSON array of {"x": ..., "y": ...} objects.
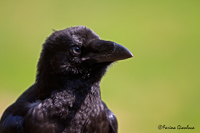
[{"x": 76, "y": 50}]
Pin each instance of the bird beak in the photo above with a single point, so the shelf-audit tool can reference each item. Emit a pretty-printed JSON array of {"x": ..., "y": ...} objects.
[{"x": 106, "y": 51}]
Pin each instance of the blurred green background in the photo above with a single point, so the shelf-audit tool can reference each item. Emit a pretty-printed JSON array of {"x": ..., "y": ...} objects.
[{"x": 160, "y": 85}]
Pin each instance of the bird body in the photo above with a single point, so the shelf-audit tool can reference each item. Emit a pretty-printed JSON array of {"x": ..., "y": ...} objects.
[{"x": 66, "y": 96}]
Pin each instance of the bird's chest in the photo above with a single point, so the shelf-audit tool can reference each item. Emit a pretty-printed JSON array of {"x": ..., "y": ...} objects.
[
  {"x": 65, "y": 112},
  {"x": 87, "y": 116}
]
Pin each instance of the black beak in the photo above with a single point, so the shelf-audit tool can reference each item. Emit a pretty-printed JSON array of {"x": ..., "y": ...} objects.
[{"x": 106, "y": 51}]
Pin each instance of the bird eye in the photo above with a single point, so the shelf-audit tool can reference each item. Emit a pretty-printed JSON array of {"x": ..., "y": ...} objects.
[{"x": 76, "y": 50}]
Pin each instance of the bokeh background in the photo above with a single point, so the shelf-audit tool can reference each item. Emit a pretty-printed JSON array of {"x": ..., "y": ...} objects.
[{"x": 160, "y": 85}]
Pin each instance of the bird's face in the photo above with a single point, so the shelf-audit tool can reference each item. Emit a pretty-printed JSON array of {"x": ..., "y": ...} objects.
[{"x": 78, "y": 51}]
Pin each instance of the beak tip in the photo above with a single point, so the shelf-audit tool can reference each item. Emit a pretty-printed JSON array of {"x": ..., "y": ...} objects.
[{"x": 130, "y": 54}]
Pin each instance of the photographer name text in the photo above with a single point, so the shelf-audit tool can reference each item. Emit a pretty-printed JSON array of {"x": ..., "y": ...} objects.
[{"x": 179, "y": 127}]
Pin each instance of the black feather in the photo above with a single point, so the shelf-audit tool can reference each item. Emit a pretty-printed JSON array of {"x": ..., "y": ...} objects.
[{"x": 66, "y": 96}]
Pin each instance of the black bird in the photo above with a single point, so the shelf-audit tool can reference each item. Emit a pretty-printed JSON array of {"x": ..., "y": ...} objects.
[{"x": 66, "y": 95}]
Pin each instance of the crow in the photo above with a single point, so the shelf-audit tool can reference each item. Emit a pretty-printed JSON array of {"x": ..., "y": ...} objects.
[{"x": 65, "y": 97}]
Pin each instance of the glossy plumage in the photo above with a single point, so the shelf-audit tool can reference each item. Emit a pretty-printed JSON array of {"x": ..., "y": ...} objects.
[{"x": 65, "y": 97}]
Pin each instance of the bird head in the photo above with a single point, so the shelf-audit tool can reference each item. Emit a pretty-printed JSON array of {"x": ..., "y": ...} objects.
[{"x": 79, "y": 52}]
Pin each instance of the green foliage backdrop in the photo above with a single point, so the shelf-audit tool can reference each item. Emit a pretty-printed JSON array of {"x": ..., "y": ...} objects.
[{"x": 160, "y": 85}]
